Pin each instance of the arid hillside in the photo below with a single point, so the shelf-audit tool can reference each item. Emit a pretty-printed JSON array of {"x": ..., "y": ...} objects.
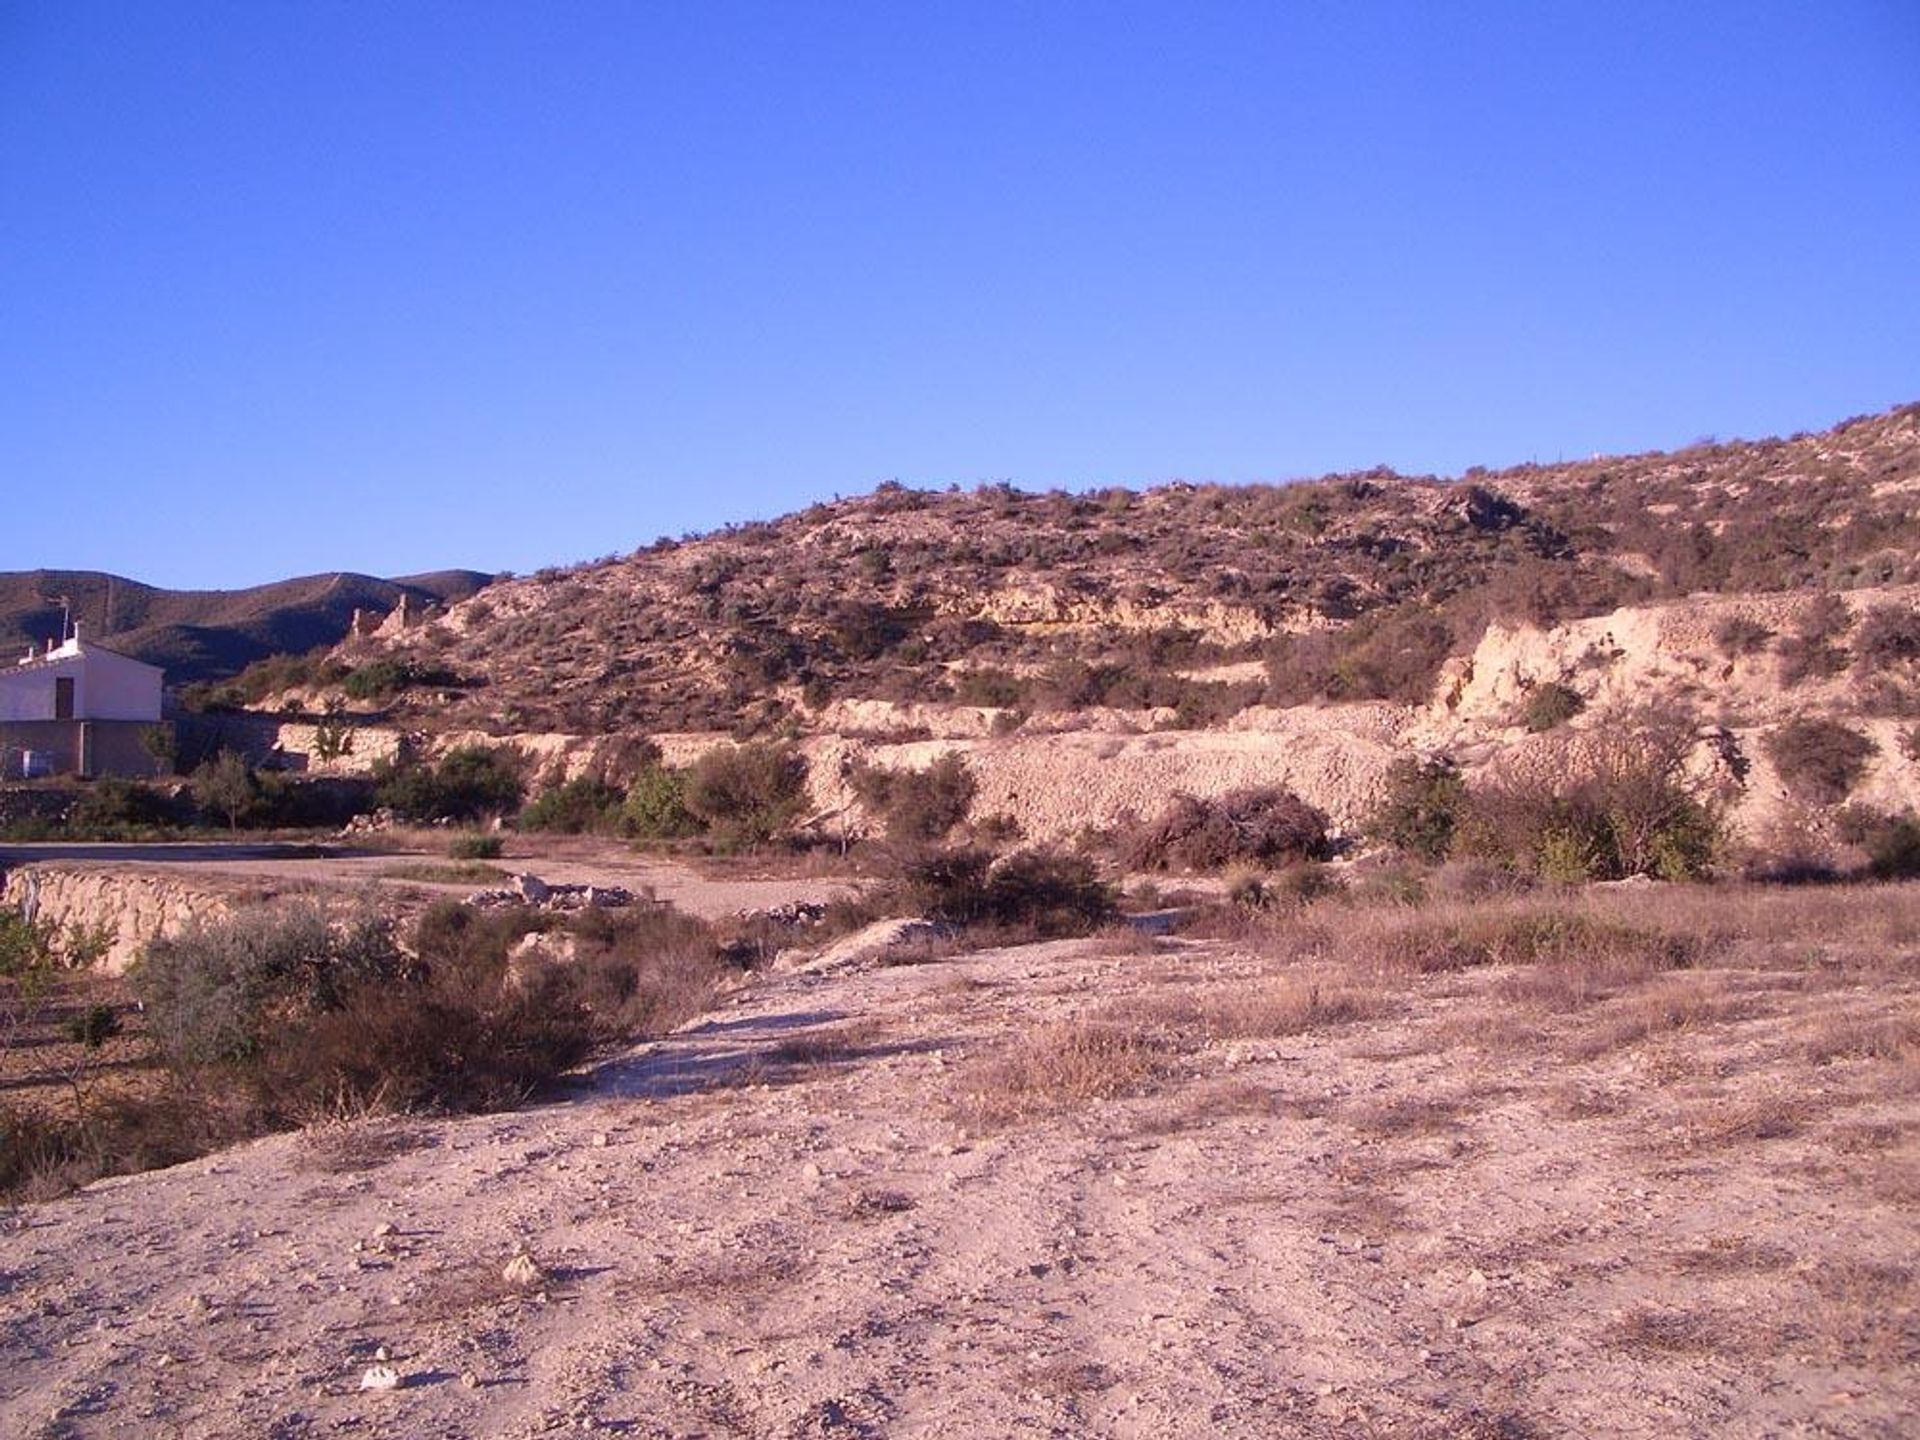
[
  {"x": 1353, "y": 587},
  {"x": 1089, "y": 656}
]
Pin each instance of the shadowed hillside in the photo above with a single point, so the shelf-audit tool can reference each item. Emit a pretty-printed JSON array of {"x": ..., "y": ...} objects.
[{"x": 208, "y": 634}]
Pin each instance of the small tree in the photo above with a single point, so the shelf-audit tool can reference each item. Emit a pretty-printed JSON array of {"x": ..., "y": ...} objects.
[
  {"x": 227, "y": 786},
  {"x": 333, "y": 736},
  {"x": 163, "y": 745}
]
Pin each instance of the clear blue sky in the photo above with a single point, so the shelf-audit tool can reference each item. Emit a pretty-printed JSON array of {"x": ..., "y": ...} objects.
[{"x": 292, "y": 287}]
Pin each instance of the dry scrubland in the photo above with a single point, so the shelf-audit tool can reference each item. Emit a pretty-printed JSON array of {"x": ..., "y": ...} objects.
[
  {"x": 1447, "y": 1152},
  {"x": 1635, "y": 1161}
]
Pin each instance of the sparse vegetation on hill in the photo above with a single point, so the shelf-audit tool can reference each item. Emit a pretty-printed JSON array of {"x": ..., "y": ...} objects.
[{"x": 1351, "y": 587}]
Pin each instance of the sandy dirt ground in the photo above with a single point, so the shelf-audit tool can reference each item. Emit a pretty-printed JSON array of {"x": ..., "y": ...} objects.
[{"x": 911, "y": 1202}]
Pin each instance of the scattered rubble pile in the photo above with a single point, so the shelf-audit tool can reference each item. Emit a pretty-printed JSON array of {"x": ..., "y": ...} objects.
[
  {"x": 531, "y": 891},
  {"x": 794, "y": 915}
]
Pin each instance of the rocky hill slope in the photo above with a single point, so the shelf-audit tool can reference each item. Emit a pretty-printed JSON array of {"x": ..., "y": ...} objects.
[
  {"x": 1355, "y": 587},
  {"x": 1090, "y": 655}
]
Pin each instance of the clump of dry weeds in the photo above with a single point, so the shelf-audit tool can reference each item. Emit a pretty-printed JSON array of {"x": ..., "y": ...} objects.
[{"x": 1063, "y": 1065}]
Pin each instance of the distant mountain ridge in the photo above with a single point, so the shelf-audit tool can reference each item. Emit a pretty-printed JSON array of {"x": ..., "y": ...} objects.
[{"x": 208, "y": 634}]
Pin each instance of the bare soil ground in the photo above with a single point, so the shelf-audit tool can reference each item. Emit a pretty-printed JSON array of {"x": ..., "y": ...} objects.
[{"x": 1295, "y": 1181}]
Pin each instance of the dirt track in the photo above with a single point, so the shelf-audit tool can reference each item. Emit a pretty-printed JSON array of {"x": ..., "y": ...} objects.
[{"x": 793, "y": 1220}]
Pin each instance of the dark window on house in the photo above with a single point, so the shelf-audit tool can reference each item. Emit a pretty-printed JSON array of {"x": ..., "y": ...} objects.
[{"x": 63, "y": 697}]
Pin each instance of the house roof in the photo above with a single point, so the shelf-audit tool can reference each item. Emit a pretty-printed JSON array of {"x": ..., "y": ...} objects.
[{"x": 74, "y": 649}]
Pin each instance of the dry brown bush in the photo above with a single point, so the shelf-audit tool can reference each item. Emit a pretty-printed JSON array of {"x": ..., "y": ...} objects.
[
  {"x": 1819, "y": 759},
  {"x": 1266, "y": 825}
]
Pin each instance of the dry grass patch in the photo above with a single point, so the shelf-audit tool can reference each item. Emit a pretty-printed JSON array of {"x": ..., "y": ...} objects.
[
  {"x": 876, "y": 1204},
  {"x": 1865, "y": 1313},
  {"x": 1650, "y": 1329},
  {"x": 1282, "y": 1007},
  {"x": 1262, "y": 1010},
  {"x": 350, "y": 1147},
  {"x": 1864, "y": 1037},
  {"x": 1744, "y": 1122},
  {"x": 1587, "y": 1102},
  {"x": 1065, "y": 1379},
  {"x": 459, "y": 1289},
  {"x": 1454, "y": 937},
  {"x": 1065, "y": 1065},
  {"x": 833, "y": 1046},
  {"x": 1406, "y": 1116},
  {"x": 1732, "y": 1255},
  {"x": 747, "y": 1270},
  {"x": 1660, "y": 1010}
]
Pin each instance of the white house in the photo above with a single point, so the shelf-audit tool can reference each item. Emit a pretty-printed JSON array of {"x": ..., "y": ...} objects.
[{"x": 78, "y": 708}]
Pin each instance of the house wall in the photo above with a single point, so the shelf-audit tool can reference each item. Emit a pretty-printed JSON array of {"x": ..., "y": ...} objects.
[
  {"x": 27, "y": 694},
  {"x": 105, "y": 687},
  {"x": 78, "y": 747}
]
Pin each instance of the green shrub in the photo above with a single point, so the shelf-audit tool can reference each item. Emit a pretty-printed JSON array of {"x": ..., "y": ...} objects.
[
  {"x": 470, "y": 783},
  {"x": 376, "y": 679},
  {"x": 920, "y": 807},
  {"x": 1039, "y": 892},
  {"x": 381, "y": 679},
  {"x": 93, "y": 1026},
  {"x": 1889, "y": 636},
  {"x": 576, "y": 807},
  {"x": 1393, "y": 655},
  {"x": 1550, "y": 706},
  {"x": 1893, "y": 849},
  {"x": 1810, "y": 652},
  {"x": 1819, "y": 760},
  {"x": 1738, "y": 636},
  {"x": 223, "y": 991},
  {"x": 1423, "y": 806},
  {"x": 111, "y": 804},
  {"x": 451, "y": 1039},
  {"x": 1262, "y": 825},
  {"x": 302, "y": 1018},
  {"x": 1389, "y": 654},
  {"x": 475, "y": 847},
  {"x": 747, "y": 794},
  {"x": 655, "y": 807},
  {"x": 1616, "y": 808}
]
